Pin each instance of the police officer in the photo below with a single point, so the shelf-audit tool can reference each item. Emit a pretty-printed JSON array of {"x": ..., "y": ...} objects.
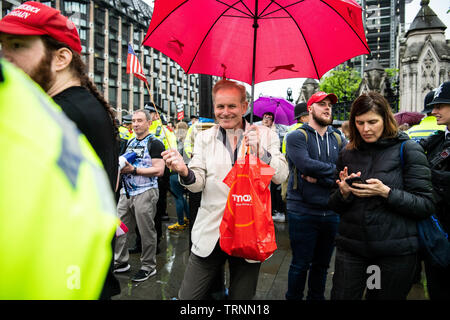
[
  {"x": 428, "y": 124},
  {"x": 437, "y": 148},
  {"x": 125, "y": 130}
]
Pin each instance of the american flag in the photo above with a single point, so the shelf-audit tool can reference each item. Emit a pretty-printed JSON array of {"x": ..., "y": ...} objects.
[{"x": 133, "y": 65}]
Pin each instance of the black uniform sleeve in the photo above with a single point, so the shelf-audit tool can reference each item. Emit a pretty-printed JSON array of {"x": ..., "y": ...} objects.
[{"x": 156, "y": 149}]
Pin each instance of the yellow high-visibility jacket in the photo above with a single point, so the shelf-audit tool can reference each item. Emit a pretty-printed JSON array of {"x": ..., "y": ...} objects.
[{"x": 57, "y": 211}]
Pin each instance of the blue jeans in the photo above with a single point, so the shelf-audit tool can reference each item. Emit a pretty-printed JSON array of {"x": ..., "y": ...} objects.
[
  {"x": 181, "y": 204},
  {"x": 312, "y": 243}
]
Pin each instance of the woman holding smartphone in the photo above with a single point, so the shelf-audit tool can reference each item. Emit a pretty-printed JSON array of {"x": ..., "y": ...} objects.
[{"x": 377, "y": 239}]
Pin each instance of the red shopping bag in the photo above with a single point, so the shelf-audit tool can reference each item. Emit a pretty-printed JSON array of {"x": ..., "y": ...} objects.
[{"x": 247, "y": 229}]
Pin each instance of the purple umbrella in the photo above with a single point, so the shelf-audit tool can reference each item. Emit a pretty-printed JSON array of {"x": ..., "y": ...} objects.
[
  {"x": 408, "y": 117},
  {"x": 282, "y": 109}
]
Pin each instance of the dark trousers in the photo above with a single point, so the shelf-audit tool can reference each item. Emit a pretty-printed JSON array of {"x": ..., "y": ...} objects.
[
  {"x": 351, "y": 276},
  {"x": 194, "y": 200},
  {"x": 277, "y": 201},
  {"x": 111, "y": 287},
  {"x": 161, "y": 205},
  {"x": 438, "y": 281},
  {"x": 312, "y": 243},
  {"x": 201, "y": 273}
]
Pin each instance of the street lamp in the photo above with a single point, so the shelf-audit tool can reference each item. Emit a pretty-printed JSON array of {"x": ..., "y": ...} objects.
[{"x": 289, "y": 95}]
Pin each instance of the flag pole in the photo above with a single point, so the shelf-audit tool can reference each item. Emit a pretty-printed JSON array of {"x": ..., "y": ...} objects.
[
  {"x": 156, "y": 109},
  {"x": 142, "y": 77}
]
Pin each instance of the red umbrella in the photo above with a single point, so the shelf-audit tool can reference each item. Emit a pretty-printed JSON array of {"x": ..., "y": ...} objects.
[
  {"x": 284, "y": 39},
  {"x": 408, "y": 117}
]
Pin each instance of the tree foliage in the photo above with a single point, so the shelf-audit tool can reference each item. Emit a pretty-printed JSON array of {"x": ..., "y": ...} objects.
[{"x": 343, "y": 82}]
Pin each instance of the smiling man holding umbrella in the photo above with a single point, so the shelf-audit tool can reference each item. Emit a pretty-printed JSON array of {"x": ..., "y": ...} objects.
[{"x": 215, "y": 152}]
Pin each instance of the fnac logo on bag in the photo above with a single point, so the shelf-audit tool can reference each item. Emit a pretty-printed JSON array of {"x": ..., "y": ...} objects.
[{"x": 239, "y": 199}]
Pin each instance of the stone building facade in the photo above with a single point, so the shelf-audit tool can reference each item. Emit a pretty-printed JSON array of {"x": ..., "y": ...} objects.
[{"x": 424, "y": 58}]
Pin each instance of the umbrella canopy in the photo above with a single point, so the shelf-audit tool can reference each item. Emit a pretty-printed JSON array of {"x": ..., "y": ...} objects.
[
  {"x": 258, "y": 40},
  {"x": 282, "y": 109},
  {"x": 284, "y": 39},
  {"x": 409, "y": 117}
]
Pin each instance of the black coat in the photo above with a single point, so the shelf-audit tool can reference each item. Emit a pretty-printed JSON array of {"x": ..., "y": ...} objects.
[
  {"x": 374, "y": 226},
  {"x": 440, "y": 175}
]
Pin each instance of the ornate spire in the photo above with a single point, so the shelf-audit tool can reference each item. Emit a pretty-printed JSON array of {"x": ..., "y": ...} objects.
[{"x": 426, "y": 19}]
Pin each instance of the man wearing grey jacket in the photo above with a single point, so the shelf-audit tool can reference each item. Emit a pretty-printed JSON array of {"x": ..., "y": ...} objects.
[{"x": 215, "y": 152}]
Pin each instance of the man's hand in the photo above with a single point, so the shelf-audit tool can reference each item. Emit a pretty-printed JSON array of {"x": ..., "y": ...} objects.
[
  {"x": 128, "y": 168},
  {"x": 174, "y": 161},
  {"x": 309, "y": 179},
  {"x": 252, "y": 140}
]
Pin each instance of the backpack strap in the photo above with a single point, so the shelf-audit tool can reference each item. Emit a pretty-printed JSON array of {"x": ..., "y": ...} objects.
[
  {"x": 295, "y": 184},
  {"x": 402, "y": 158},
  {"x": 304, "y": 132},
  {"x": 338, "y": 138}
]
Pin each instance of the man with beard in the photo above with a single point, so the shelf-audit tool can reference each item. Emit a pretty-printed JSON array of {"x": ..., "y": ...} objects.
[
  {"x": 46, "y": 45},
  {"x": 312, "y": 151}
]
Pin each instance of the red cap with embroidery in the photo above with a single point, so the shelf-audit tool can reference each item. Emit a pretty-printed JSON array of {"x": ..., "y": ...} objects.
[
  {"x": 319, "y": 96},
  {"x": 34, "y": 18}
]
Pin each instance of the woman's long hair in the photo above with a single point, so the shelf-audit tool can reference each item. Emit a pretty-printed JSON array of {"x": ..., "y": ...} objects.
[
  {"x": 78, "y": 67},
  {"x": 371, "y": 101}
]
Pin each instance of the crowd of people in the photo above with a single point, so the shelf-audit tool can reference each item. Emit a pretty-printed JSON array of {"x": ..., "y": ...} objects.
[{"x": 351, "y": 190}]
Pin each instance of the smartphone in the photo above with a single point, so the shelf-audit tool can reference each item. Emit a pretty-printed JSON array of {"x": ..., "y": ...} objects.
[{"x": 350, "y": 181}]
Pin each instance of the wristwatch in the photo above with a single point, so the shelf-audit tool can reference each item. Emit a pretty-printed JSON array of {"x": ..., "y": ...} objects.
[{"x": 134, "y": 171}]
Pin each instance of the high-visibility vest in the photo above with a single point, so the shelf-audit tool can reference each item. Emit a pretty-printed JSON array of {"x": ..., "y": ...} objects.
[
  {"x": 189, "y": 142},
  {"x": 125, "y": 133},
  {"x": 426, "y": 127},
  {"x": 291, "y": 128},
  {"x": 165, "y": 135},
  {"x": 57, "y": 211}
]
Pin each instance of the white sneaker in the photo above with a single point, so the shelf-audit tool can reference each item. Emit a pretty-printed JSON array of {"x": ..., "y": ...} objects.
[{"x": 279, "y": 217}]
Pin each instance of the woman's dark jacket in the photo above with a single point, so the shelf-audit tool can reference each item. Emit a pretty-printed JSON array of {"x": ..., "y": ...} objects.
[{"x": 375, "y": 226}]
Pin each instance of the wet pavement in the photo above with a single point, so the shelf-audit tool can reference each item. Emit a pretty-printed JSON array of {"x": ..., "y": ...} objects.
[{"x": 172, "y": 260}]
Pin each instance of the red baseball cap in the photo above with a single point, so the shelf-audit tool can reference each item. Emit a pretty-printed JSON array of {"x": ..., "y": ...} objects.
[
  {"x": 319, "y": 96},
  {"x": 34, "y": 18}
]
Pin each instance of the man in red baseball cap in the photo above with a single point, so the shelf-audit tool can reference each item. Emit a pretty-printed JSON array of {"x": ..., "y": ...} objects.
[
  {"x": 312, "y": 151},
  {"x": 45, "y": 44},
  {"x": 34, "y": 18},
  {"x": 319, "y": 107},
  {"x": 24, "y": 35}
]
